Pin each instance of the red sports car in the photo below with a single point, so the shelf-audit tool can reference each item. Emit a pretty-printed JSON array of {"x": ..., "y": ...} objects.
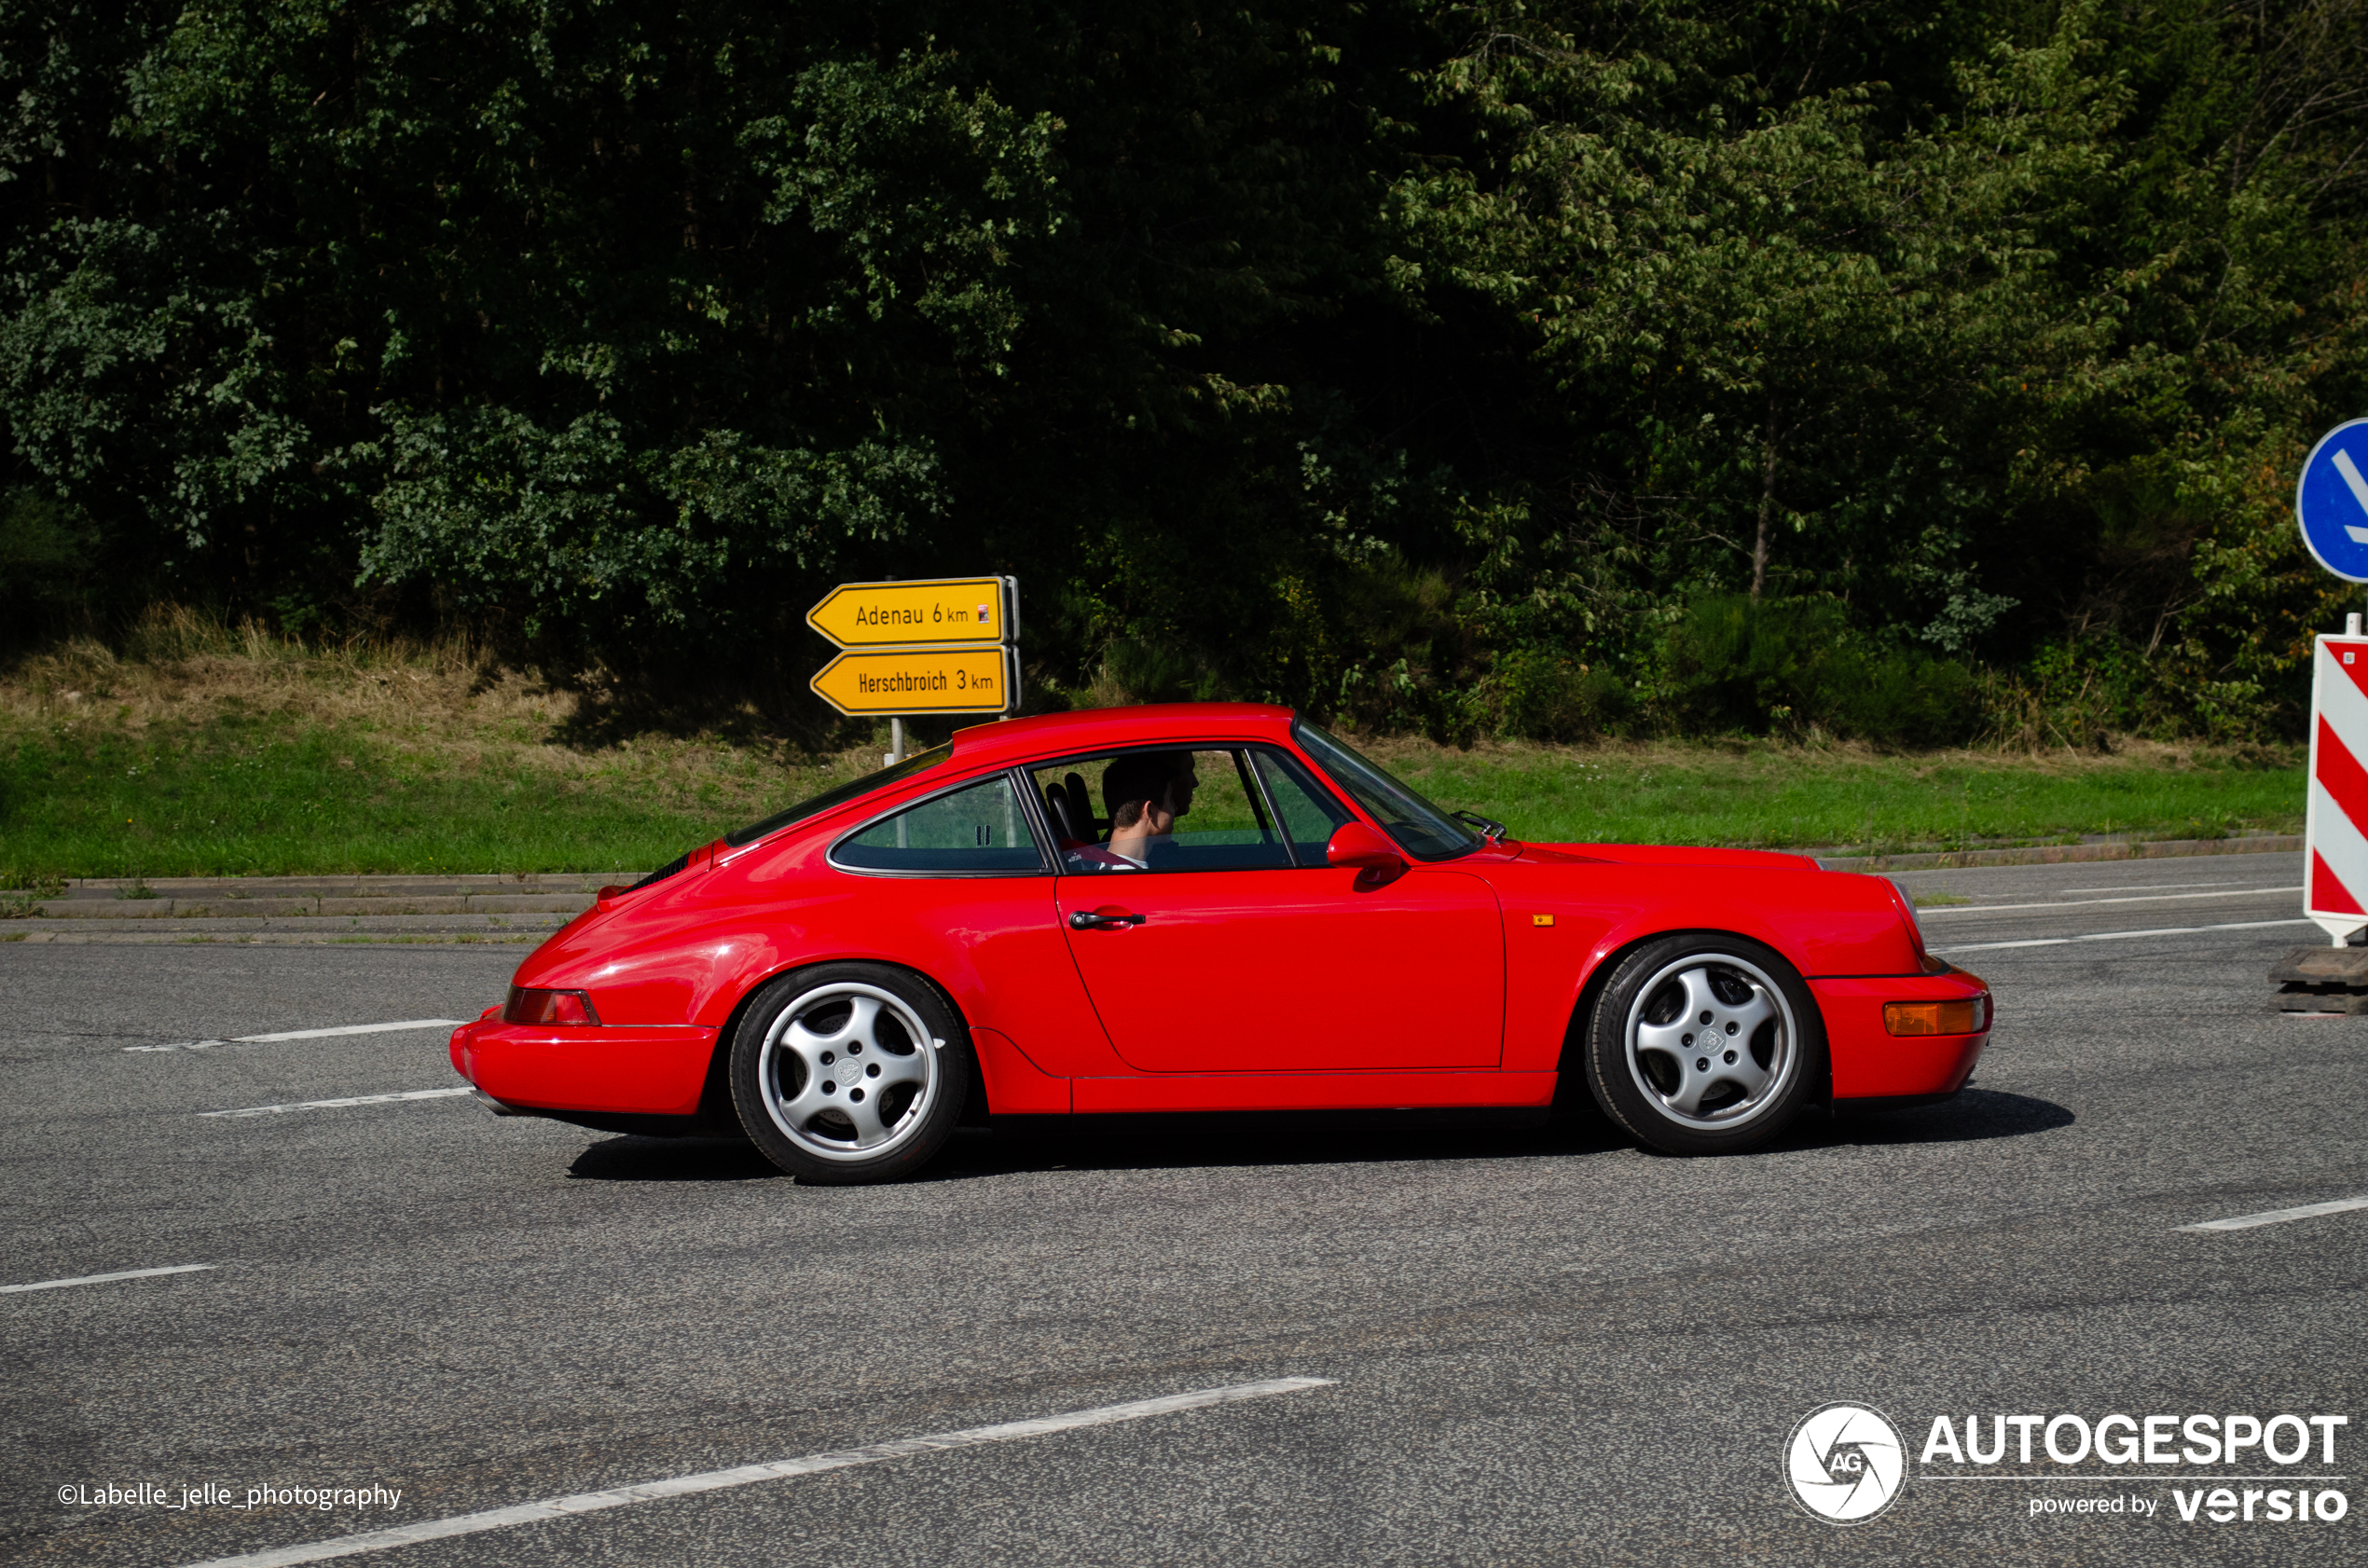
[{"x": 1209, "y": 906}]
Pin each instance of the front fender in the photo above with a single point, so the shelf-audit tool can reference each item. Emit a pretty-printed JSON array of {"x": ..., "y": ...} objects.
[{"x": 1564, "y": 923}]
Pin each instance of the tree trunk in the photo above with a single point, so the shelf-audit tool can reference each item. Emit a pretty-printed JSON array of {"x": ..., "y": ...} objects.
[{"x": 1767, "y": 501}]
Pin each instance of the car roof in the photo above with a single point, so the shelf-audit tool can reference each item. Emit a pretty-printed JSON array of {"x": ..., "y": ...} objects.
[{"x": 1047, "y": 734}]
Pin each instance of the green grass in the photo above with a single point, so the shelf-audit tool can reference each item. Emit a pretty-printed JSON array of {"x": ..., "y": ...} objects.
[
  {"x": 1781, "y": 797},
  {"x": 265, "y": 799},
  {"x": 278, "y": 797},
  {"x": 204, "y": 752}
]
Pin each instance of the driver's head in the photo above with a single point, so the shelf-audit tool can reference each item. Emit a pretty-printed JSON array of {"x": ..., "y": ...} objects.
[{"x": 1140, "y": 780}]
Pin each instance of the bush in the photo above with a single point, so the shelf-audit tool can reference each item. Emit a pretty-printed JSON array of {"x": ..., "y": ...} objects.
[
  {"x": 1906, "y": 697},
  {"x": 1546, "y": 695},
  {"x": 2077, "y": 694},
  {"x": 1786, "y": 665},
  {"x": 45, "y": 566}
]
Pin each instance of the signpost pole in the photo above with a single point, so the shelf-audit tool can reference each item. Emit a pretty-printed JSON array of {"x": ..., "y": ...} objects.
[{"x": 896, "y": 755}]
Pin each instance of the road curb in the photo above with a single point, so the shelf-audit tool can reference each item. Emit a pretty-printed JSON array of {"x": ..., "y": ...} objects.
[
  {"x": 2070, "y": 854},
  {"x": 270, "y": 939},
  {"x": 359, "y": 884}
]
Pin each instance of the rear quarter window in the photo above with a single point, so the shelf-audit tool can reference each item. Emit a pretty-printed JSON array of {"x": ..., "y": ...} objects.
[{"x": 979, "y": 831}]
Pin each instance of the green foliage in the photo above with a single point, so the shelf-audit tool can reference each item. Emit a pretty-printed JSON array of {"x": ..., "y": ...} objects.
[
  {"x": 2077, "y": 695},
  {"x": 1415, "y": 364},
  {"x": 1794, "y": 666},
  {"x": 44, "y": 563},
  {"x": 1551, "y": 696}
]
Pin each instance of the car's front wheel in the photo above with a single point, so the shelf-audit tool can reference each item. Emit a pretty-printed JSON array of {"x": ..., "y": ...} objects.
[
  {"x": 846, "y": 1073},
  {"x": 1703, "y": 1043}
]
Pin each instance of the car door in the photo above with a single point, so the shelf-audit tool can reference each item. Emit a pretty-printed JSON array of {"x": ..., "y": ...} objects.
[
  {"x": 1235, "y": 949},
  {"x": 955, "y": 884}
]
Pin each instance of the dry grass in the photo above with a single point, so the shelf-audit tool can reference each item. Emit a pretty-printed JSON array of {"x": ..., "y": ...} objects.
[{"x": 444, "y": 706}]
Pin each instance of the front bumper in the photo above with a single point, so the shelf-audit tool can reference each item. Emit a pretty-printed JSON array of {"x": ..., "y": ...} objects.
[
  {"x": 1870, "y": 1062},
  {"x": 650, "y": 1070}
]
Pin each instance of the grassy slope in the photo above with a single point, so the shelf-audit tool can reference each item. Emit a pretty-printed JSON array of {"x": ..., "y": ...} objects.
[
  {"x": 1780, "y": 796},
  {"x": 257, "y": 760},
  {"x": 222, "y": 756}
]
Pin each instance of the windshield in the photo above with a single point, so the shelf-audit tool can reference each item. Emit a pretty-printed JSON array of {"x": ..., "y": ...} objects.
[
  {"x": 920, "y": 761},
  {"x": 1420, "y": 828}
]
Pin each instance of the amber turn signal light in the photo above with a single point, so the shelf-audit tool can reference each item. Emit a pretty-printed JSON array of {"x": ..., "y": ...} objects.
[
  {"x": 548, "y": 1007},
  {"x": 1968, "y": 1015}
]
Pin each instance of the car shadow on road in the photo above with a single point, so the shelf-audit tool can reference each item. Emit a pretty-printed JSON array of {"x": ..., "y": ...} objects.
[
  {"x": 1222, "y": 1139},
  {"x": 639, "y": 1159},
  {"x": 1217, "y": 1139},
  {"x": 1145, "y": 1142},
  {"x": 1975, "y": 1115}
]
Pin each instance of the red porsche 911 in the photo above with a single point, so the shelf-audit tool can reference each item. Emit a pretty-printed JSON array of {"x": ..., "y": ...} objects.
[{"x": 1207, "y": 906}]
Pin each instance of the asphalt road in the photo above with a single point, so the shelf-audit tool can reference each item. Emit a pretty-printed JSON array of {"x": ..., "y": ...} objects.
[{"x": 1544, "y": 1346}]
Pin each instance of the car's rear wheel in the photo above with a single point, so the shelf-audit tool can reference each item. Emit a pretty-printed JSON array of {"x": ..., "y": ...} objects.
[
  {"x": 1703, "y": 1043},
  {"x": 848, "y": 1073}
]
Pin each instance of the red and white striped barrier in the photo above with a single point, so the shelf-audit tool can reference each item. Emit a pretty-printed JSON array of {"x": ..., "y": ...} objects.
[{"x": 2336, "y": 821}]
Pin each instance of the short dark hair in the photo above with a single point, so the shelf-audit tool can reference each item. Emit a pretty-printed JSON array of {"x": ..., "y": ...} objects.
[{"x": 1137, "y": 778}]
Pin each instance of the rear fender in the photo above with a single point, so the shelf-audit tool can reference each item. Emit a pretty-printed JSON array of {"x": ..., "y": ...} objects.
[{"x": 715, "y": 1099}]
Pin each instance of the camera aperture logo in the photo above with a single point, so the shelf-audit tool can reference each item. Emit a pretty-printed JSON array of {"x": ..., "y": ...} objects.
[{"x": 1845, "y": 1463}]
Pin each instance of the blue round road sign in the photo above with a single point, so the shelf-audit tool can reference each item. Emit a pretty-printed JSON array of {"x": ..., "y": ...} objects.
[{"x": 2332, "y": 501}]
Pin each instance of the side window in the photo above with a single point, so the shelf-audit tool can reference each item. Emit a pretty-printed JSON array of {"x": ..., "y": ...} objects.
[
  {"x": 1309, "y": 814},
  {"x": 1159, "y": 810},
  {"x": 981, "y": 830}
]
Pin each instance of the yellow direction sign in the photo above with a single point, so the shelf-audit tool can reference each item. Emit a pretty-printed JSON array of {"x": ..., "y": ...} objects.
[
  {"x": 905, "y": 680},
  {"x": 969, "y": 610}
]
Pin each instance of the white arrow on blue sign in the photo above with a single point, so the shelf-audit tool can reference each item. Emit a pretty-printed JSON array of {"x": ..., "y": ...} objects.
[{"x": 2330, "y": 501}]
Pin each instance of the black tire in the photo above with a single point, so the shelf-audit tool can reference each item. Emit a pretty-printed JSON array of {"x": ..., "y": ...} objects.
[
  {"x": 1744, "y": 1071},
  {"x": 849, "y": 1073}
]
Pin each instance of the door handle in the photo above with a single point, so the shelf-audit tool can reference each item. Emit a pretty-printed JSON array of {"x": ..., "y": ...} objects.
[{"x": 1109, "y": 917}]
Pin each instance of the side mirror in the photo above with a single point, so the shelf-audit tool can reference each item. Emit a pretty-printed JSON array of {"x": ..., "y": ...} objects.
[{"x": 1353, "y": 843}]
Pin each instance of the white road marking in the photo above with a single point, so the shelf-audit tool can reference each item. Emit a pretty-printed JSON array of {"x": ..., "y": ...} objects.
[
  {"x": 307, "y": 1034},
  {"x": 2117, "y": 936},
  {"x": 2161, "y": 886},
  {"x": 716, "y": 1480},
  {"x": 350, "y": 1100},
  {"x": 2085, "y": 904},
  {"x": 102, "y": 1279},
  {"x": 2279, "y": 1216}
]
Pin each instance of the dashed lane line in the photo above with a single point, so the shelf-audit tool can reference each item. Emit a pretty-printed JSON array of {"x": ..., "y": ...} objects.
[
  {"x": 2279, "y": 1216},
  {"x": 307, "y": 1034},
  {"x": 2117, "y": 936},
  {"x": 102, "y": 1279},
  {"x": 2158, "y": 886},
  {"x": 349, "y": 1100},
  {"x": 2090, "y": 903},
  {"x": 745, "y": 1475}
]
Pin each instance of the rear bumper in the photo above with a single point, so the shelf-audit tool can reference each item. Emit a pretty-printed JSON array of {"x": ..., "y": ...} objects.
[
  {"x": 643, "y": 1069},
  {"x": 1870, "y": 1062}
]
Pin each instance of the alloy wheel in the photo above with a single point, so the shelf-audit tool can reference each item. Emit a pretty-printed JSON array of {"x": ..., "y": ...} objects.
[{"x": 849, "y": 1071}]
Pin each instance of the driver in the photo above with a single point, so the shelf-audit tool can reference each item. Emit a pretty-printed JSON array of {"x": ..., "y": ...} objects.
[{"x": 1145, "y": 793}]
